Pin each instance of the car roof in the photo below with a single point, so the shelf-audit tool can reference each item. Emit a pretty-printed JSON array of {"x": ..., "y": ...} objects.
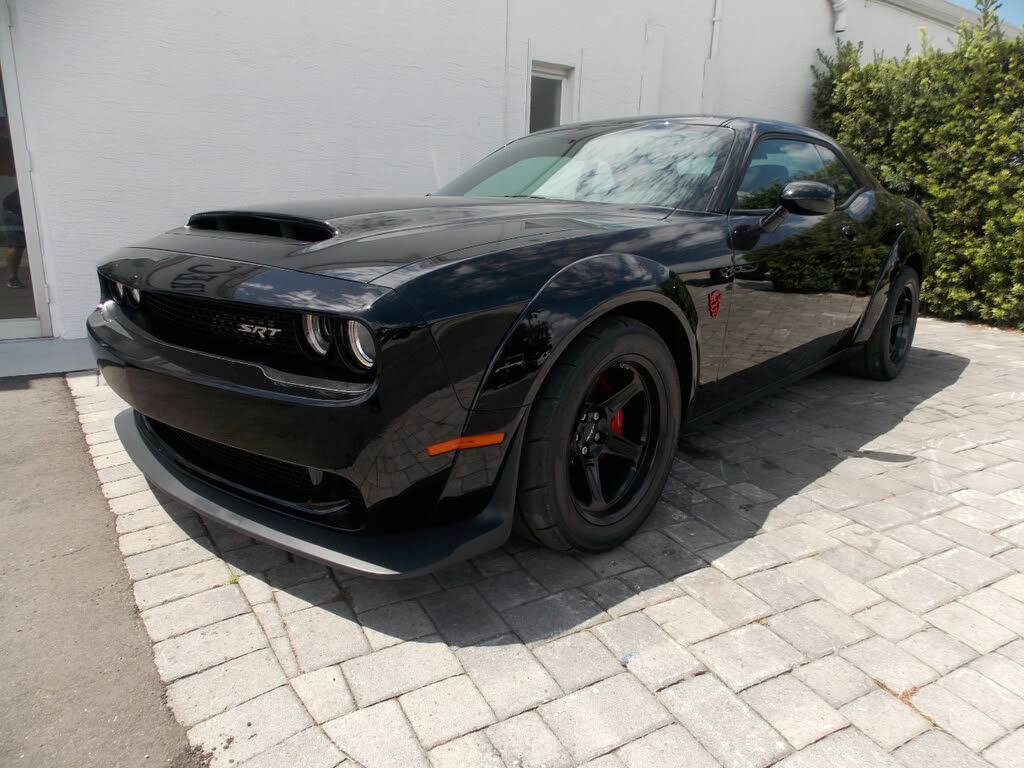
[{"x": 756, "y": 125}]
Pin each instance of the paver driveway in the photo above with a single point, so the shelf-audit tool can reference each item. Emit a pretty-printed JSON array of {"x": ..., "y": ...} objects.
[{"x": 835, "y": 577}]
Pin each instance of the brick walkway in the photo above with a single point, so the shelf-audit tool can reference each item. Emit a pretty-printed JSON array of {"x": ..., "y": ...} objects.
[{"x": 835, "y": 577}]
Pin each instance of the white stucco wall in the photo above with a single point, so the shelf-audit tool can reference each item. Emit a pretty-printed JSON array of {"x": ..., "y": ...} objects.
[{"x": 138, "y": 114}]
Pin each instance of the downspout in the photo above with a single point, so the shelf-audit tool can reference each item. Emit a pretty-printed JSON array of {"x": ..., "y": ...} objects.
[
  {"x": 716, "y": 23},
  {"x": 839, "y": 12}
]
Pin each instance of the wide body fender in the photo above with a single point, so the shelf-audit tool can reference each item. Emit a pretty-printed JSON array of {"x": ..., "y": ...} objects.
[
  {"x": 909, "y": 246},
  {"x": 573, "y": 299}
]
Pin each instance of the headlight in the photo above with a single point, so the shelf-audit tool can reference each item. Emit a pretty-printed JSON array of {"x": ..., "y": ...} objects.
[
  {"x": 317, "y": 330},
  {"x": 361, "y": 344}
]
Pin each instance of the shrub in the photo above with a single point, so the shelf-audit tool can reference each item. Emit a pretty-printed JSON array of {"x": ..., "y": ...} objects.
[{"x": 946, "y": 129}]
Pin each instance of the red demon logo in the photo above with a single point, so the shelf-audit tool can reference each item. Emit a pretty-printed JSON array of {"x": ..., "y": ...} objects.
[{"x": 714, "y": 302}]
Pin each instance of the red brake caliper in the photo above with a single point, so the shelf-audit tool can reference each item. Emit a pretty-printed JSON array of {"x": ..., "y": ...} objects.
[{"x": 616, "y": 422}]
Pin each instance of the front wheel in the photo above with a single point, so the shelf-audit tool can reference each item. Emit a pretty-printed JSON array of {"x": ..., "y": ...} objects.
[
  {"x": 601, "y": 438},
  {"x": 885, "y": 353}
]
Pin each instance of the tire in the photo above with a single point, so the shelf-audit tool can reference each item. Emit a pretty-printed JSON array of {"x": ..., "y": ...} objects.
[
  {"x": 625, "y": 453},
  {"x": 886, "y": 352}
]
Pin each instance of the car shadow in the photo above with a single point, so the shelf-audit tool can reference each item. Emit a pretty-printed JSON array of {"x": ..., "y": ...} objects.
[{"x": 795, "y": 458}]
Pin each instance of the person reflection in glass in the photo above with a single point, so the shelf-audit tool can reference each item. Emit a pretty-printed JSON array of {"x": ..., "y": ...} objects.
[{"x": 14, "y": 230}]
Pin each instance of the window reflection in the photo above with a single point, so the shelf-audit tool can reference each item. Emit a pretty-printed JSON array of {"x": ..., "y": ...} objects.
[
  {"x": 16, "y": 293},
  {"x": 775, "y": 163}
]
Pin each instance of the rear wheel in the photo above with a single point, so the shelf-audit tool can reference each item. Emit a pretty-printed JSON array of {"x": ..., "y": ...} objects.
[
  {"x": 600, "y": 439},
  {"x": 885, "y": 353}
]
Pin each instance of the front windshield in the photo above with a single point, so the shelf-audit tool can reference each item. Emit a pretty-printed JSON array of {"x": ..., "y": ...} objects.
[{"x": 665, "y": 164}]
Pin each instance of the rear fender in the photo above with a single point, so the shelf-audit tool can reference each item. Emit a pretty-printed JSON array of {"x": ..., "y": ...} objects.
[{"x": 907, "y": 243}]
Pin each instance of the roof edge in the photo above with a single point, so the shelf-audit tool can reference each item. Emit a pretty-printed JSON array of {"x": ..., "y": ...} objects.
[{"x": 945, "y": 12}]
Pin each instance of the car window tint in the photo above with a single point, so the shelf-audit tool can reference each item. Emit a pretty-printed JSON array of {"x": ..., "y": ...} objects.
[
  {"x": 524, "y": 174},
  {"x": 775, "y": 163},
  {"x": 839, "y": 175}
]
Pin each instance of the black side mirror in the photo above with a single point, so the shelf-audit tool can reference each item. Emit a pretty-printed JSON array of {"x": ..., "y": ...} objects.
[
  {"x": 804, "y": 198},
  {"x": 808, "y": 198}
]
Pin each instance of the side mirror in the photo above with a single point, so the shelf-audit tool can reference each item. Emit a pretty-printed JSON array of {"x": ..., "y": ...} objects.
[
  {"x": 808, "y": 198},
  {"x": 804, "y": 198}
]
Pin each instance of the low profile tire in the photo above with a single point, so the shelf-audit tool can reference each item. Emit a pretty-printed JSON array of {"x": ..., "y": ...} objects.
[
  {"x": 885, "y": 353},
  {"x": 600, "y": 439}
]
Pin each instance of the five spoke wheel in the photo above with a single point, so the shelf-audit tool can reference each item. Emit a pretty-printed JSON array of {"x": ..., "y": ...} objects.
[{"x": 608, "y": 448}]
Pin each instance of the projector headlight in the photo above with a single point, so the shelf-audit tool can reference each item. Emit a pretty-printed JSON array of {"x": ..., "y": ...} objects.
[
  {"x": 361, "y": 344},
  {"x": 317, "y": 330}
]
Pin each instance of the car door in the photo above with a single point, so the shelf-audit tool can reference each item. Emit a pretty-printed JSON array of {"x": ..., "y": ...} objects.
[
  {"x": 790, "y": 305},
  {"x": 863, "y": 250}
]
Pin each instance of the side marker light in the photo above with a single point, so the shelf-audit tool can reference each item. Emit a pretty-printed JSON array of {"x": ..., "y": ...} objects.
[{"x": 459, "y": 443}]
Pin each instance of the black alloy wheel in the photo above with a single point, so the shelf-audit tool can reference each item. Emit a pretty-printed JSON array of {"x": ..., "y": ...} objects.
[
  {"x": 600, "y": 439},
  {"x": 609, "y": 451},
  {"x": 901, "y": 328}
]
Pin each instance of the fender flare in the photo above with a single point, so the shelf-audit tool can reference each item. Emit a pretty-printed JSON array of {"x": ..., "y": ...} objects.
[
  {"x": 572, "y": 300},
  {"x": 905, "y": 245}
]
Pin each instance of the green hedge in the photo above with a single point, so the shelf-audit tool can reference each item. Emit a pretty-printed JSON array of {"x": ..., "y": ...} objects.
[{"x": 946, "y": 129}]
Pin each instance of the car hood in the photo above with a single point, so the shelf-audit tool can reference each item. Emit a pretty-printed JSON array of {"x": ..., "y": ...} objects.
[{"x": 364, "y": 239}]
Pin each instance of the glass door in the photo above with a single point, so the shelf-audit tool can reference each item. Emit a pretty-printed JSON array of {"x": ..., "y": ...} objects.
[{"x": 23, "y": 309}]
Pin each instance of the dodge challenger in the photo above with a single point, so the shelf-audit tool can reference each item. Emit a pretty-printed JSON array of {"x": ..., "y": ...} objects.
[{"x": 389, "y": 385}]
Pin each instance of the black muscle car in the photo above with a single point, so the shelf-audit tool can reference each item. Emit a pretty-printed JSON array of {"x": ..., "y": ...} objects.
[{"x": 390, "y": 384}]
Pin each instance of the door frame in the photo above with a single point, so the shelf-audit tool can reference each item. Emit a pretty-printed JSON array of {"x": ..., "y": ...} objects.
[{"x": 40, "y": 325}]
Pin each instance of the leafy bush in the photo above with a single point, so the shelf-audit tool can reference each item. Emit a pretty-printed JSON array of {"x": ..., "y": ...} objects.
[{"x": 946, "y": 129}]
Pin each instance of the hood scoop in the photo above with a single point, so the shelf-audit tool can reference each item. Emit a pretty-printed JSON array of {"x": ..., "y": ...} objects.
[{"x": 266, "y": 224}]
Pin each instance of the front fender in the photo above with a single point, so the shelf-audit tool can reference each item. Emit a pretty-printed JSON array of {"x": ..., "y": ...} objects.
[{"x": 569, "y": 302}]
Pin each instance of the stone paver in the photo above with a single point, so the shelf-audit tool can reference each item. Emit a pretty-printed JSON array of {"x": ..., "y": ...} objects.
[
  {"x": 794, "y": 710},
  {"x": 747, "y": 655},
  {"x": 724, "y": 724},
  {"x": 954, "y": 715},
  {"x": 835, "y": 679},
  {"x": 604, "y": 716},
  {"x": 444, "y": 710},
  {"x": 882, "y": 660},
  {"x": 201, "y": 696},
  {"x": 324, "y": 693},
  {"x": 818, "y": 628},
  {"x": 399, "y": 669},
  {"x": 885, "y": 719},
  {"x": 671, "y": 745},
  {"x": 378, "y": 737},
  {"x": 814, "y": 555},
  {"x": 508, "y": 676},
  {"x": 253, "y": 727},
  {"x": 578, "y": 660},
  {"x": 526, "y": 740}
]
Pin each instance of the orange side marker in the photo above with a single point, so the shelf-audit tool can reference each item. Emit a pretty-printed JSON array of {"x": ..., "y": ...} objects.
[{"x": 473, "y": 441}]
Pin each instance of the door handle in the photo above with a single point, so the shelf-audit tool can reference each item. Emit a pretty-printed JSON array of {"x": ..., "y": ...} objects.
[{"x": 850, "y": 232}]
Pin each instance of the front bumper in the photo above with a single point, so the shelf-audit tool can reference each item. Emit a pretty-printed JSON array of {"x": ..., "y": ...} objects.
[
  {"x": 375, "y": 437},
  {"x": 393, "y": 555}
]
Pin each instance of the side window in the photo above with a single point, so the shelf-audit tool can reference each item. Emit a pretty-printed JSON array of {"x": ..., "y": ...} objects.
[
  {"x": 839, "y": 175},
  {"x": 775, "y": 163}
]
